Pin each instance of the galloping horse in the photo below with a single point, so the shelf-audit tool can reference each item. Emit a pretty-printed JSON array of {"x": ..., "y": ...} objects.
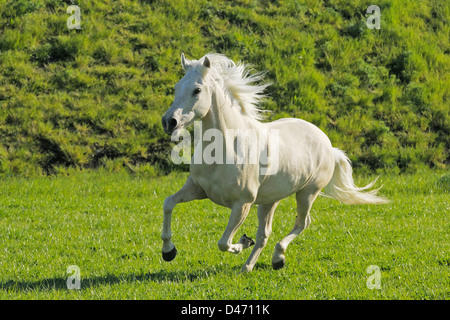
[{"x": 223, "y": 95}]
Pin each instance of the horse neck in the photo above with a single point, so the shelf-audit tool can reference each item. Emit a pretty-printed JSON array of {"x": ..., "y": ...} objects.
[
  {"x": 225, "y": 115},
  {"x": 227, "y": 118}
]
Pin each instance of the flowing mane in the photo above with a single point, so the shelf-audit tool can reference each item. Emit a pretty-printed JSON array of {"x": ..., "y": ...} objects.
[{"x": 239, "y": 84}]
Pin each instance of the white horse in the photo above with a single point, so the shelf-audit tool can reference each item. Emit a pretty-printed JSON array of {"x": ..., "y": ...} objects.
[{"x": 223, "y": 95}]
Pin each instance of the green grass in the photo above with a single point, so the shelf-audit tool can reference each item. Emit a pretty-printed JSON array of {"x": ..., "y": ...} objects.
[{"x": 109, "y": 225}]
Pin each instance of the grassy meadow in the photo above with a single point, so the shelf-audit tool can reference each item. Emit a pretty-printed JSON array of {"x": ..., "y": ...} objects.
[
  {"x": 109, "y": 225},
  {"x": 85, "y": 167}
]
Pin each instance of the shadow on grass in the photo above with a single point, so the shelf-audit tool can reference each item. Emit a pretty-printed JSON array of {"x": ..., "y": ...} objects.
[{"x": 161, "y": 276}]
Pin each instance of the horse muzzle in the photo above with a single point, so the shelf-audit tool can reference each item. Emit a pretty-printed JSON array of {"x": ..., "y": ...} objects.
[{"x": 169, "y": 124}]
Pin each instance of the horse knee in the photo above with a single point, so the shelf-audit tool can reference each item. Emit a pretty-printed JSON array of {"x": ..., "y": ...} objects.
[{"x": 168, "y": 205}]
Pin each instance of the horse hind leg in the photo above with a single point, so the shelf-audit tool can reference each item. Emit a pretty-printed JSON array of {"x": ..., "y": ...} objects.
[
  {"x": 265, "y": 218},
  {"x": 305, "y": 200}
]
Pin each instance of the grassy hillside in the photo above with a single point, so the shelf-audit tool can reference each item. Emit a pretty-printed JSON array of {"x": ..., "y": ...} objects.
[{"x": 94, "y": 97}]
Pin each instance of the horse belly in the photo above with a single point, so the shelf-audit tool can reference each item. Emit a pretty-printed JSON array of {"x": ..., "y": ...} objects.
[
  {"x": 223, "y": 184},
  {"x": 279, "y": 186}
]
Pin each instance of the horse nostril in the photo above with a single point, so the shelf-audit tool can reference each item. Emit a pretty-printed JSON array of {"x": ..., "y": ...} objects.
[
  {"x": 172, "y": 124},
  {"x": 169, "y": 125}
]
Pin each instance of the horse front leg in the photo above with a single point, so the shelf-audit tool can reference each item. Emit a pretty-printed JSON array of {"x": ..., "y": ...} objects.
[
  {"x": 190, "y": 191},
  {"x": 238, "y": 214}
]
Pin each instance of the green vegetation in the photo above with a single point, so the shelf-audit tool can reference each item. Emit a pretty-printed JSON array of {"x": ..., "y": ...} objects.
[
  {"x": 109, "y": 225},
  {"x": 81, "y": 109},
  {"x": 94, "y": 97}
]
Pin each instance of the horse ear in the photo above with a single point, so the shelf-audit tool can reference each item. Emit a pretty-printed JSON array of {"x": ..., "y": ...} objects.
[
  {"x": 207, "y": 63},
  {"x": 185, "y": 64}
]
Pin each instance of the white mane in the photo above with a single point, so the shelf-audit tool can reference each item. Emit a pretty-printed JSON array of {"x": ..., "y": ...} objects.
[{"x": 239, "y": 84}]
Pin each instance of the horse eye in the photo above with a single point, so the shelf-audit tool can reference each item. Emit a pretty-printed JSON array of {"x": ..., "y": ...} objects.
[{"x": 197, "y": 91}]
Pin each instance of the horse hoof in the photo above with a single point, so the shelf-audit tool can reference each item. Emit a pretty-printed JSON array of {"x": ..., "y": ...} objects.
[
  {"x": 278, "y": 265},
  {"x": 169, "y": 256},
  {"x": 246, "y": 241}
]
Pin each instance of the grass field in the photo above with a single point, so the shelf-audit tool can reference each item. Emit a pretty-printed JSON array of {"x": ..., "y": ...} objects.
[{"x": 109, "y": 225}]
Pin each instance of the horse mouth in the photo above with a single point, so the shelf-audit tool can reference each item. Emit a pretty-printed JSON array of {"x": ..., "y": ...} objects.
[{"x": 167, "y": 131}]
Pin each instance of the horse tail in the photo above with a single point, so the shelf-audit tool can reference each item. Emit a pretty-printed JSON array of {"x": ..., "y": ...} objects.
[{"x": 342, "y": 188}]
